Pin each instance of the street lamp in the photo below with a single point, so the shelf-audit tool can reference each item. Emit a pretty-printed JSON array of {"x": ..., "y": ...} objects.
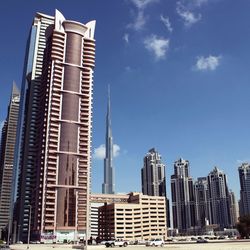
[
  {"x": 9, "y": 228},
  {"x": 28, "y": 246}
]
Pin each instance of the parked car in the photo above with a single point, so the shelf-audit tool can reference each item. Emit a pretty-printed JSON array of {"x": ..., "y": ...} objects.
[
  {"x": 202, "y": 241},
  {"x": 118, "y": 242},
  {"x": 155, "y": 243},
  {"x": 139, "y": 242},
  {"x": 222, "y": 237},
  {"x": 3, "y": 247}
]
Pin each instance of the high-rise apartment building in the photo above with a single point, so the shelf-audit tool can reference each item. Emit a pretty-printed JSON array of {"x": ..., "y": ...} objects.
[
  {"x": 55, "y": 123},
  {"x": 2, "y": 149},
  {"x": 219, "y": 199},
  {"x": 201, "y": 194},
  {"x": 183, "y": 200},
  {"x": 234, "y": 209},
  {"x": 244, "y": 175},
  {"x": 108, "y": 187},
  {"x": 8, "y": 142},
  {"x": 153, "y": 178},
  {"x": 153, "y": 174}
]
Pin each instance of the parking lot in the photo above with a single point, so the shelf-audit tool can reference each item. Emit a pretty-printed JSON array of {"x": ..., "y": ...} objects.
[{"x": 229, "y": 245}]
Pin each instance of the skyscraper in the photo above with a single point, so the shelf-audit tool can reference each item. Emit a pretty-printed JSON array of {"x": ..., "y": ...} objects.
[
  {"x": 219, "y": 199},
  {"x": 201, "y": 193},
  {"x": 153, "y": 178},
  {"x": 183, "y": 202},
  {"x": 8, "y": 142},
  {"x": 234, "y": 208},
  {"x": 55, "y": 123},
  {"x": 153, "y": 174},
  {"x": 244, "y": 175},
  {"x": 108, "y": 187}
]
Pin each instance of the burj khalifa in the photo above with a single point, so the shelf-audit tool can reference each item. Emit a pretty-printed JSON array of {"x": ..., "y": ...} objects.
[{"x": 108, "y": 187}]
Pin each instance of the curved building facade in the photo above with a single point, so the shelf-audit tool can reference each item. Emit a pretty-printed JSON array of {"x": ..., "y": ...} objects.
[{"x": 61, "y": 166}]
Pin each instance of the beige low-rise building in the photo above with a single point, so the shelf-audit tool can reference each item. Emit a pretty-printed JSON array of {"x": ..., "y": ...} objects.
[{"x": 143, "y": 217}]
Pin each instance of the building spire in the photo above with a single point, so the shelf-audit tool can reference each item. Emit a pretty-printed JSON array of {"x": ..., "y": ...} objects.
[
  {"x": 108, "y": 119},
  {"x": 108, "y": 185}
]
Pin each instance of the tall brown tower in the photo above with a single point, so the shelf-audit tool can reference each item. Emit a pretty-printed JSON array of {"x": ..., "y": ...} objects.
[{"x": 63, "y": 58}]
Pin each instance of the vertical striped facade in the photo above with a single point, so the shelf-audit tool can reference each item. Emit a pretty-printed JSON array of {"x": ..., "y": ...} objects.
[
  {"x": 60, "y": 64},
  {"x": 7, "y": 159},
  {"x": 202, "y": 208},
  {"x": 219, "y": 199},
  {"x": 183, "y": 200},
  {"x": 244, "y": 176},
  {"x": 153, "y": 176}
]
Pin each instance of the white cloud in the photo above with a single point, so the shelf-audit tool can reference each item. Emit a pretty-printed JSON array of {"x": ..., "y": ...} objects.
[
  {"x": 99, "y": 153},
  {"x": 142, "y": 4},
  {"x": 116, "y": 150},
  {"x": 188, "y": 17},
  {"x": 159, "y": 46},
  {"x": 207, "y": 63},
  {"x": 140, "y": 19},
  {"x": 198, "y": 3},
  {"x": 192, "y": 4},
  {"x": 167, "y": 23},
  {"x": 126, "y": 37}
]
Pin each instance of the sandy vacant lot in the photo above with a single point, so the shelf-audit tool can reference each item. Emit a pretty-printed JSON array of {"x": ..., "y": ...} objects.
[{"x": 239, "y": 245}]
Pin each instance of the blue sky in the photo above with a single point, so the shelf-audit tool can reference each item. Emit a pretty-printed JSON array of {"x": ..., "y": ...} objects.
[{"x": 179, "y": 73}]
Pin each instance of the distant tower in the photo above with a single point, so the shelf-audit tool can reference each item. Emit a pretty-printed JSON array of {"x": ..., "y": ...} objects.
[
  {"x": 108, "y": 187},
  {"x": 244, "y": 175},
  {"x": 7, "y": 158},
  {"x": 219, "y": 199},
  {"x": 201, "y": 198},
  {"x": 153, "y": 174},
  {"x": 153, "y": 178},
  {"x": 183, "y": 203},
  {"x": 234, "y": 209}
]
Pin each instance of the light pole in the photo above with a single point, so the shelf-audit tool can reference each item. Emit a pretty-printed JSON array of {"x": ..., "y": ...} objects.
[
  {"x": 9, "y": 228},
  {"x": 18, "y": 233},
  {"x": 28, "y": 246}
]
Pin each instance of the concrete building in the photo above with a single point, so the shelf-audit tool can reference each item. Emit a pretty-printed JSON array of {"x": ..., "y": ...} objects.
[
  {"x": 244, "y": 175},
  {"x": 55, "y": 123},
  {"x": 143, "y": 217},
  {"x": 153, "y": 178},
  {"x": 108, "y": 187},
  {"x": 8, "y": 142},
  {"x": 94, "y": 219},
  {"x": 201, "y": 194},
  {"x": 234, "y": 209},
  {"x": 219, "y": 199},
  {"x": 183, "y": 200}
]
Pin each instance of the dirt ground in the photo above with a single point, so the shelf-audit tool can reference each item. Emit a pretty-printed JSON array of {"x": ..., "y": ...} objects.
[{"x": 238, "y": 245}]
